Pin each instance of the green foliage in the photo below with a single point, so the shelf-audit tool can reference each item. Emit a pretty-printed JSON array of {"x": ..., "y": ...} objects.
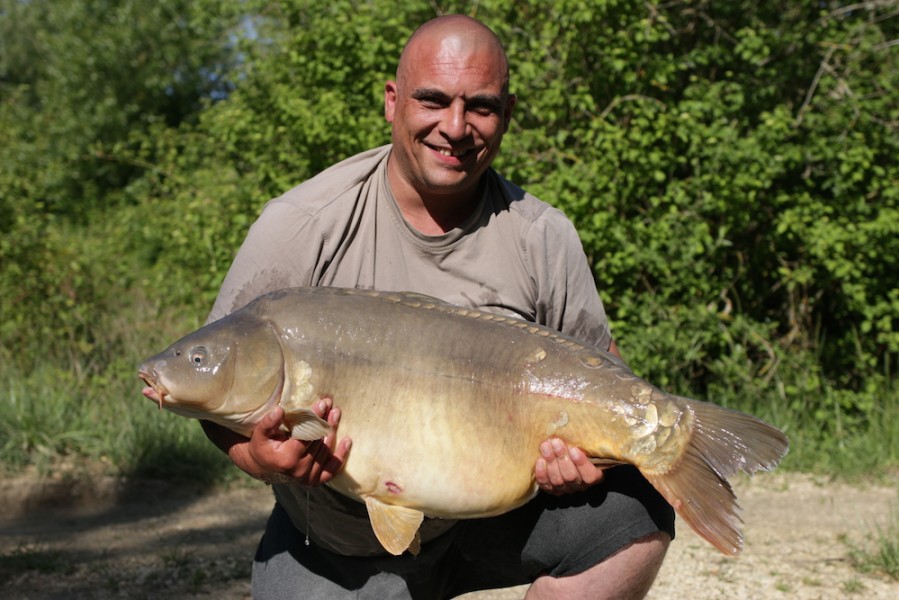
[
  {"x": 84, "y": 75},
  {"x": 730, "y": 167},
  {"x": 736, "y": 162},
  {"x": 82, "y": 82}
]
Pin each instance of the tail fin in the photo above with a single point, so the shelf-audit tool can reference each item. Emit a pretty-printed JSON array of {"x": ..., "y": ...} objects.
[{"x": 723, "y": 442}]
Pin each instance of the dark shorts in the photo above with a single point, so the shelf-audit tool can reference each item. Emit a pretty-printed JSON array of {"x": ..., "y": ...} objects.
[{"x": 550, "y": 535}]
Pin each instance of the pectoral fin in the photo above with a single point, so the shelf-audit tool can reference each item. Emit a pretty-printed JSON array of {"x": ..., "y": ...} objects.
[
  {"x": 396, "y": 527},
  {"x": 296, "y": 396},
  {"x": 305, "y": 425}
]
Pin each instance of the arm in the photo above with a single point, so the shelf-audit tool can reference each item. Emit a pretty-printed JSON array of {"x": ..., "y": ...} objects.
[
  {"x": 568, "y": 298},
  {"x": 272, "y": 456},
  {"x": 262, "y": 265}
]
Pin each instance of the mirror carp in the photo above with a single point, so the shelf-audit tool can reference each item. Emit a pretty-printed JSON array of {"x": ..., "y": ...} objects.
[{"x": 423, "y": 384}]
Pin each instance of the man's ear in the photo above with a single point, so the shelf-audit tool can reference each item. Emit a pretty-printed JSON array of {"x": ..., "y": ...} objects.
[{"x": 390, "y": 94}]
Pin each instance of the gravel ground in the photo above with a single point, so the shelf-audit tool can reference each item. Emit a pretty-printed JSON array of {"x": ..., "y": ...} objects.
[{"x": 102, "y": 539}]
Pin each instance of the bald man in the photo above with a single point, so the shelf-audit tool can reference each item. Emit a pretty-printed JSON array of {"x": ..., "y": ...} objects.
[{"x": 427, "y": 213}]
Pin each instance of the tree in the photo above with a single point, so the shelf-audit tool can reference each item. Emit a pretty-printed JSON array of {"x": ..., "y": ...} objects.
[
  {"x": 731, "y": 167},
  {"x": 81, "y": 81}
]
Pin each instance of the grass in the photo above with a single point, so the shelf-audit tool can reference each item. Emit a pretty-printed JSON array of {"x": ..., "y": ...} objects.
[
  {"x": 51, "y": 419},
  {"x": 89, "y": 409},
  {"x": 80, "y": 408},
  {"x": 880, "y": 555},
  {"x": 842, "y": 434},
  {"x": 853, "y": 586},
  {"x": 81, "y": 403}
]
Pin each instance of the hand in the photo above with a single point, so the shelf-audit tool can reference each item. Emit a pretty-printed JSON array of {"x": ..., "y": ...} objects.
[
  {"x": 563, "y": 470},
  {"x": 274, "y": 457}
]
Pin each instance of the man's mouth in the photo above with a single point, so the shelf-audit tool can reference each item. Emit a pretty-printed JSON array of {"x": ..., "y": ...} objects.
[{"x": 451, "y": 153}]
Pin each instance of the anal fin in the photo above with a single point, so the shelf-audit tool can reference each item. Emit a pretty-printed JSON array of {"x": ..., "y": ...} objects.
[{"x": 396, "y": 527}]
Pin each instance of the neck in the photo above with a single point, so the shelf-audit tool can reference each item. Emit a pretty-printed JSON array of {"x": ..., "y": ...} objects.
[
  {"x": 433, "y": 215},
  {"x": 438, "y": 216}
]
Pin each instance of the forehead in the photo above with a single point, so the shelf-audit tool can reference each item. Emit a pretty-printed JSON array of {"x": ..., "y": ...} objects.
[{"x": 455, "y": 66}]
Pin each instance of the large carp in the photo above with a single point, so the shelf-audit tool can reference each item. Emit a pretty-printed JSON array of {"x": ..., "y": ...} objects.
[{"x": 421, "y": 383}]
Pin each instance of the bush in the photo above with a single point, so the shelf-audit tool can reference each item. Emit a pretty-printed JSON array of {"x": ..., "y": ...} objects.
[{"x": 730, "y": 167}]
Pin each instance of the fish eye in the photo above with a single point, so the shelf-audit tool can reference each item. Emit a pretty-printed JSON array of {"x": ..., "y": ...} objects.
[{"x": 198, "y": 356}]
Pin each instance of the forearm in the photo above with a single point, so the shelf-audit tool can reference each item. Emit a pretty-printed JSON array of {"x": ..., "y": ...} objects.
[
  {"x": 222, "y": 437},
  {"x": 271, "y": 455},
  {"x": 234, "y": 445}
]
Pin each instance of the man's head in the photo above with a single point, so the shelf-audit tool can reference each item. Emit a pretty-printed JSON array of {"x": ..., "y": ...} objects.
[{"x": 449, "y": 106}]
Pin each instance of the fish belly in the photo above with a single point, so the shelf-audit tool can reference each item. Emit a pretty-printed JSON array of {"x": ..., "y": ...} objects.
[{"x": 449, "y": 450}]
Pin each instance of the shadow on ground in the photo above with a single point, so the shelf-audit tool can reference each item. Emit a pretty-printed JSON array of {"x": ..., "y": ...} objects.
[{"x": 105, "y": 537}]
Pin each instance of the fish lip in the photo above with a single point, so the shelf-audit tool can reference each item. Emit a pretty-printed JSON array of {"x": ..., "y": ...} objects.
[{"x": 155, "y": 391}]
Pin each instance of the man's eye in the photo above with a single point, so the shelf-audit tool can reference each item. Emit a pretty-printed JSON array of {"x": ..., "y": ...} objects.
[{"x": 484, "y": 111}]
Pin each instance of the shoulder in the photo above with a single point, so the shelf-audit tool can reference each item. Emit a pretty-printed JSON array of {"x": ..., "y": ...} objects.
[
  {"x": 538, "y": 220},
  {"x": 341, "y": 180}
]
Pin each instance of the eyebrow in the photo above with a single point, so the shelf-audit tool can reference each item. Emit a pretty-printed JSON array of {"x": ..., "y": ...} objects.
[{"x": 492, "y": 101}]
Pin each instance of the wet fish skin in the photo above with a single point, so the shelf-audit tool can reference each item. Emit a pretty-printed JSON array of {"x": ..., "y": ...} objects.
[{"x": 421, "y": 384}]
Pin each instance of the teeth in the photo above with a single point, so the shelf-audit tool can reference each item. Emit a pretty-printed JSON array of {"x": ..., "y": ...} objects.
[{"x": 449, "y": 152}]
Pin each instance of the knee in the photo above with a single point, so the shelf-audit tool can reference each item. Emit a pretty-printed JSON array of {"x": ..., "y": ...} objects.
[
  {"x": 649, "y": 550},
  {"x": 625, "y": 575}
]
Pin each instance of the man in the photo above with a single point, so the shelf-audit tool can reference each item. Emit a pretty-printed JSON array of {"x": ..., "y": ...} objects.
[{"x": 427, "y": 214}]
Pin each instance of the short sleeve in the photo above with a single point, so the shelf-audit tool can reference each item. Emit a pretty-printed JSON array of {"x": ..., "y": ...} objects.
[{"x": 567, "y": 298}]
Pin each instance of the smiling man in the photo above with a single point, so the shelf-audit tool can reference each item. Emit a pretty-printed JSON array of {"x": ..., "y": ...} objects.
[
  {"x": 449, "y": 106},
  {"x": 428, "y": 214}
]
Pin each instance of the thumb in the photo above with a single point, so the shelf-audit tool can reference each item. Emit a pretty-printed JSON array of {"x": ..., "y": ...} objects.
[{"x": 271, "y": 423}]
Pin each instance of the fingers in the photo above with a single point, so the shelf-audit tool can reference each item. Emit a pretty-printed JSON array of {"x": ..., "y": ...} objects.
[
  {"x": 566, "y": 473},
  {"x": 562, "y": 470},
  {"x": 554, "y": 470},
  {"x": 589, "y": 473},
  {"x": 336, "y": 461},
  {"x": 331, "y": 458},
  {"x": 322, "y": 407},
  {"x": 270, "y": 425},
  {"x": 307, "y": 463},
  {"x": 270, "y": 449}
]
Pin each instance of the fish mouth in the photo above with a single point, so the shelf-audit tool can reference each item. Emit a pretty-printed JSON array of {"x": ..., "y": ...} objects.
[{"x": 155, "y": 391}]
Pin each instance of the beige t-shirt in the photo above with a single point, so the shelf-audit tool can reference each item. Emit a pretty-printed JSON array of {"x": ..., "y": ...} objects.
[{"x": 515, "y": 256}]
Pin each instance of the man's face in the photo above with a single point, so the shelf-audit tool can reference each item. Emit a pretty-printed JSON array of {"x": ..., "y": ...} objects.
[{"x": 449, "y": 112}]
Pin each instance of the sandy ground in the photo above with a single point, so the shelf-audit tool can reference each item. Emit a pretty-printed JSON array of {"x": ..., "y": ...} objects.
[{"x": 104, "y": 539}]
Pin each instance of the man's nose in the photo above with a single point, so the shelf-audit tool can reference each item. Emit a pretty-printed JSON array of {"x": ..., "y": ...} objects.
[{"x": 455, "y": 122}]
